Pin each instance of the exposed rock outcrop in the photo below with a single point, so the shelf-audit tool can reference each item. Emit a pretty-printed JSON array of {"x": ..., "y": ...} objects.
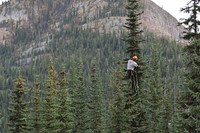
[
  {"x": 160, "y": 21},
  {"x": 101, "y": 15}
]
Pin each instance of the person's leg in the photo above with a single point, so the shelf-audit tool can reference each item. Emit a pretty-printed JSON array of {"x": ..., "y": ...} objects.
[
  {"x": 129, "y": 74},
  {"x": 136, "y": 80},
  {"x": 132, "y": 82}
]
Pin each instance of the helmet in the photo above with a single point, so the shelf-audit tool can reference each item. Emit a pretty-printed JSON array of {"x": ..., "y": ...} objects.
[{"x": 135, "y": 57}]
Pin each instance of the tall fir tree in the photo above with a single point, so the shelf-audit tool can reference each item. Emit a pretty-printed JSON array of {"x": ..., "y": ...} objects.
[
  {"x": 190, "y": 100},
  {"x": 134, "y": 38},
  {"x": 65, "y": 114},
  {"x": 134, "y": 104},
  {"x": 73, "y": 91},
  {"x": 50, "y": 110},
  {"x": 35, "y": 113},
  {"x": 118, "y": 114},
  {"x": 18, "y": 108},
  {"x": 1, "y": 112},
  {"x": 95, "y": 101},
  {"x": 79, "y": 101},
  {"x": 191, "y": 23},
  {"x": 154, "y": 97},
  {"x": 133, "y": 25}
]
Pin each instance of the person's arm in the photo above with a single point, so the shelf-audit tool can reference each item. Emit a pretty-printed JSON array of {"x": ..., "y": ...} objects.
[{"x": 135, "y": 64}]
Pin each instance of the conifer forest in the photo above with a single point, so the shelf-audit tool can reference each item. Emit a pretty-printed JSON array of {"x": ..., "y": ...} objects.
[{"x": 79, "y": 83}]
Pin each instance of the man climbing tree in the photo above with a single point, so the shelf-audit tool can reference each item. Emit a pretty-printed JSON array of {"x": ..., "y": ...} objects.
[
  {"x": 132, "y": 75},
  {"x": 133, "y": 101},
  {"x": 133, "y": 38}
]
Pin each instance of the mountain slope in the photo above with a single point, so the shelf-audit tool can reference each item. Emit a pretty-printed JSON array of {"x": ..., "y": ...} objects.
[
  {"x": 49, "y": 16},
  {"x": 158, "y": 20}
]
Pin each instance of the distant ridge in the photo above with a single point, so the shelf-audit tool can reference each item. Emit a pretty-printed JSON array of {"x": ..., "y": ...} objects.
[
  {"x": 160, "y": 21},
  {"x": 100, "y": 15}
]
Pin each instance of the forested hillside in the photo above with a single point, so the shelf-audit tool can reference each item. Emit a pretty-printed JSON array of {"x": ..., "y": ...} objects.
[
  {"x": 63, "y": 62},
  {"x": 104, "y": 50}
]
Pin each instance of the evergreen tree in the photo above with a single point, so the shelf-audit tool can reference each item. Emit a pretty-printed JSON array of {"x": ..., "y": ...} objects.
[
  {"x": 134, "y": 104},
  {"x": 134, "y": 38},
  {"x": 50, "y": 115},
  {"x": 18, "y": 108},
  {"x": 1, "y": 119},
  {"x": 190, "y": 100},
  {"x": 72, "y": 91},
  {"x": 192, "y": 22},
  {"x": 133, "y": 25},
  {"x": 65, "y": 115},
  {"x": 171, "y": 121},
  {"x": 1, "y": 112},
  {"x": 118, "y": 116},
  {"x": 95, "y": 101},
  {"x": 175, "y": 124},
  {"x": 166, "y": 116},
  {"x": 154, "y": 92},
  {"x": 79, "y": 102},
  {"x": 35, "y": 117}
]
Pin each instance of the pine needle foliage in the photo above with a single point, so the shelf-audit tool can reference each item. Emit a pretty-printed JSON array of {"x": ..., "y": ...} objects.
[
  {"x": 18, "y": 108},
  {"x": 95, "y": 101},
  {"x": 73, "y": 92},
  {"x": 79, "y": 101},
  {"x": 133, "y": 26},
  {"x": 190, "y": 100},
  {"x": 118, "y": 114},
  {"x": 35, "y": 114},
  {"x": 191, "y": 23},
  {"x": 134, "y": 102},
  {"x": 65, "y": 114},
  {"x": 133, "y": 38},
  {"x": 50, "y": 121},
  {"x": 154, "y": 97}
]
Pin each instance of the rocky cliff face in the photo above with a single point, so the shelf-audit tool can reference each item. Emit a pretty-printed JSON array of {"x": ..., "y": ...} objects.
[
  {"x": 158, "y": 20},
  {"x": 154, "y": 17},
  {"x": 101, "y": 15}
]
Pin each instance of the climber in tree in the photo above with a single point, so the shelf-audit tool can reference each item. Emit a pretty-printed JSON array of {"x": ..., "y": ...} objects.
[{"x": 131, "y": 65}]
